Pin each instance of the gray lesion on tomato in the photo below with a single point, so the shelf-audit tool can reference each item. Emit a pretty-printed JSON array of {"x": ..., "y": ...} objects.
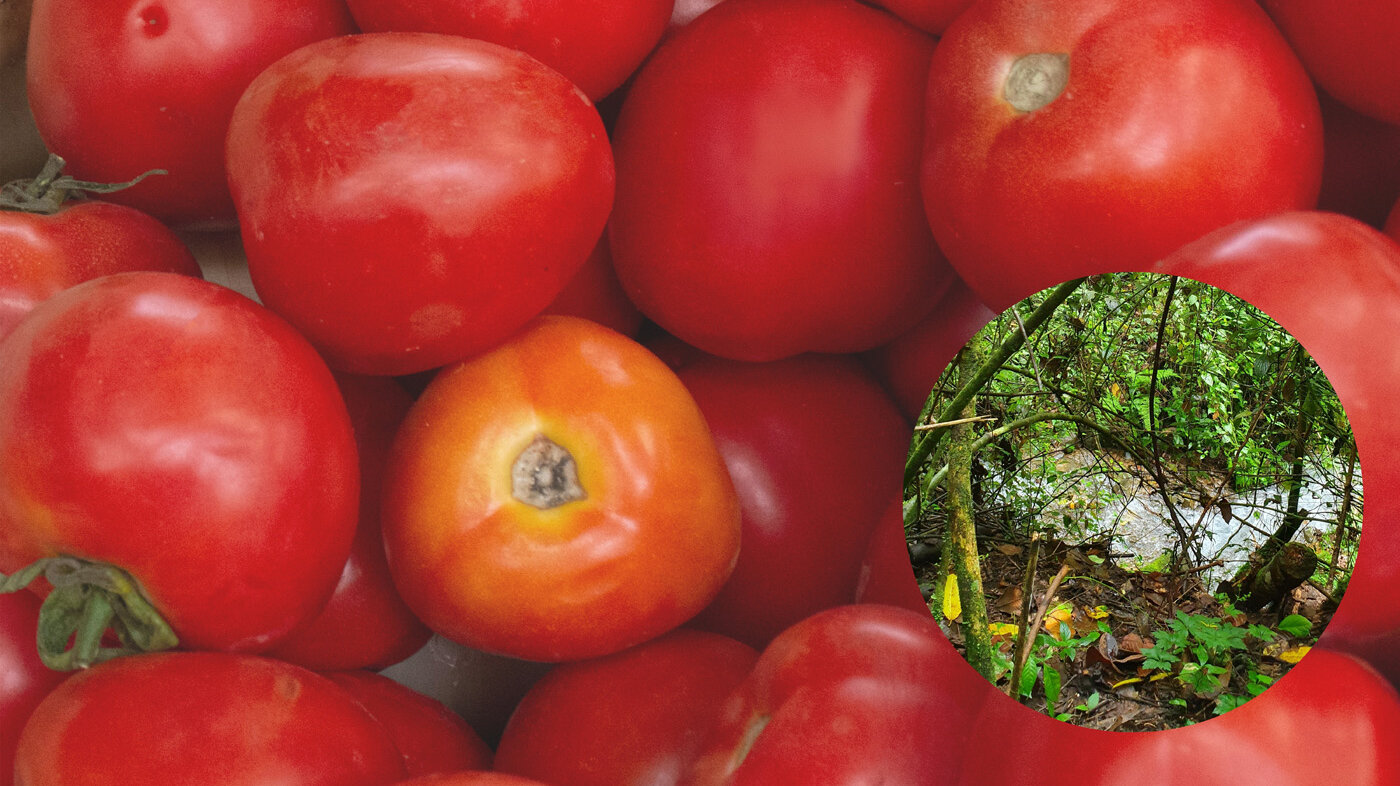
[
  {"x": 1036, "y": 79},
  {"x": 545, "y": 475}
]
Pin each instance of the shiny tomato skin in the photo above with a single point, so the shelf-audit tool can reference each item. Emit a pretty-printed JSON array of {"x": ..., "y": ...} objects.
[
  {"x": 852, "y": 695},
  {"x": 815, "y": 449},
  {"x": 768, "y": 200},
  {"x": 181, "y": 432},
  {"x": 1348, "y": 46},
  {"x": 430, "y": 736},
  {"x": 472, "y": 778},
  {"x": 596, "y": 45},
  {"x": 365, "y": 624},
  {"x": 120, "y": 88},
  {"x": 24, "y": 679},
  {"x": 43, "y": 254},
  {"x": 202, "y": 718},
  {"x": 644, "y": 542},
  {"x": 409, "y": 199},
  {"x": 1177, "y": 118},
  {"x": 633, "y": 718}
]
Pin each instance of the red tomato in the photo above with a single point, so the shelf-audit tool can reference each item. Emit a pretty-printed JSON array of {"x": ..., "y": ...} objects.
[
  {"x": 815, "y": 449},
  {"x": 409, "y": 199},
  {"x": 201, "y": 717},
  {"x": 595, "y": 293},
  {"x": 24, "y": 679},
  {"x": 910, "y": 365},
  {"x": 1070, "y": 137},
  {"x": 1329, "y": 702},
  {"x": 1334, "y": 284},
  {"x": 1348, "y": 46},
  {"x": 120, "y": 88},
  {"x": 43, "y": 254},
  {"x": 596, "y": 45},
  {"x": 365, "y": 625},
  {"x": 430, "y": 736},
  {"x": 558, "y": 498},
  {"x": 685, "y": 11},
  {"x": 852, "y": 695},
  {"x": 635, "y": 718},
  {"x": 768, "y": 199},
  {"x": 178, "y": 431}
]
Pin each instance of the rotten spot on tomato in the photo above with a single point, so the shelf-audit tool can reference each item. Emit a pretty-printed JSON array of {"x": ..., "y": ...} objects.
[
  {"x": 1149, "y": 495},
  {"x": 545, "y": 475}
]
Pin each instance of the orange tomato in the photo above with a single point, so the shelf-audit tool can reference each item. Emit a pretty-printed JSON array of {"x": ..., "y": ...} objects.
[{"x": 558, "y": 498}]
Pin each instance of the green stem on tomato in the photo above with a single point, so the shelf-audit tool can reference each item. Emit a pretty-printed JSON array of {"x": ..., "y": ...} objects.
[{"x": 48, "y": 192}]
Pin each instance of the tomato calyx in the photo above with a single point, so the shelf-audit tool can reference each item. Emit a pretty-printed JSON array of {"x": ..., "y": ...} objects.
[
  {"x": 48, "y": 192},
  {"x": 88, "y": 599},
  {"x": 1036, "y": 79},
  {"x": 545, "y": 475}
]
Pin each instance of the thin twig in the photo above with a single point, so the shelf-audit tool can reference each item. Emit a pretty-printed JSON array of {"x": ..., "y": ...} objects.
[
  {"x": 1023, "y": 624},
  {"x": 958, "y": 422},
  {"x": 1025, "y": 652}
]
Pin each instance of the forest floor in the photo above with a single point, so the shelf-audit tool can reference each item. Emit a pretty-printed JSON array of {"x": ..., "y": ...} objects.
[{"x": 1102, "y": 617}]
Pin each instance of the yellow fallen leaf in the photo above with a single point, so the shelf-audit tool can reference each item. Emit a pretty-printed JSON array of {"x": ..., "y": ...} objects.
[
  {"x": 952, "y": 604},
  {"x": 1058, "y": 620},
  {"x": 1294, "y": 655},
  {"x": 1001, "y": 629},
  {"x": 1121, "y": 683},
  {"x": 1098, "y": 612}
]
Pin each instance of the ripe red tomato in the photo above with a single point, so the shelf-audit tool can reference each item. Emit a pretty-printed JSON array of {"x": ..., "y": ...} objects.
[
  {"x": 815, "y": 449},
  {"x": 634, "y": 718},
  {"x": 558, "y": 498},
  {"x": 886, "y": 574},
  {"x": 365, "y": 625},
  {"x": 409, "y": 199},
  {"x": 120, "y": 88},
  {"x": 596, "y": 45},
  {"x": 851, "y": 695},
  {"x": 176, "y": 430},
  {"x": 474, "y": 778},
  {"x": 430, "y": 736},
  {"x": 595, "y": 293},
  {"x": 768, "y": 199},
  {"x": 202, "y": 717},
  {"x": 1074, "y": 137},
  {"x": 1361, "y": 165},
  {"x": 932, "y": 16},
  {"x": 24, "y": 679},
  {"x": 43, "y": 254},
  {"x": 1348, "y": 46}
]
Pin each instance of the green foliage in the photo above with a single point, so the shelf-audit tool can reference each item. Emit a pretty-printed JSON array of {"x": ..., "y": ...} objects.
[
  {"x": 1201, "y": 650},
  {"x": 1295, "y": 625}
]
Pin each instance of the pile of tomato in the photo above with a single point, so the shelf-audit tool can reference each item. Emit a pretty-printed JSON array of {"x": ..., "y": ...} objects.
[{"x": 588, "y": 336}]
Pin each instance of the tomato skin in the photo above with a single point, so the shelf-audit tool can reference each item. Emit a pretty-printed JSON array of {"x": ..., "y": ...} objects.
[
  {"x": 474, "y": 778},
  {"x": 767, "y": 200},
  {"x": 595, "y": 293},
  {"x": 1348, "y": 46},
  {"x": 24, "y": 679},
  {"x": 120, "y": 88},
  {"x": 851, "y": 695},
  {"x": 1361, "y": 169},
  {"x": 634, "y": 718},
  {"x": 596, "y": 45},
  {"x": 365, "y": 624},
  {"x": 200, "y": 717},
  {"x": 177, "y": 430},
  {"x": 1177, "y": 118},
  {"x": 430, "y": 736},
  {"x": 333, "y": 152},
  {"x": 41, "y": 255},
  {"x": 653, "y": 537},
  {"x": 815, "y": 449},
  {"x": 931, "y": 16},
  {"x": 886, "y": 573}
]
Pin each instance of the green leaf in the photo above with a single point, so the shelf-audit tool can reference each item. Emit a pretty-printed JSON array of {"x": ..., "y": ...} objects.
[
  {"x": 1052, "y": 685},
  {"x": 1028, "y": 678},
  {"x": 1295, "y": 625},
  {"x": 1090, "y": 703}
]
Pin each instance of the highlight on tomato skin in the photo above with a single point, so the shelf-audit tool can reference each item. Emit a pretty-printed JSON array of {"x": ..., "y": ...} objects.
[{"x": 557, "y": 498}]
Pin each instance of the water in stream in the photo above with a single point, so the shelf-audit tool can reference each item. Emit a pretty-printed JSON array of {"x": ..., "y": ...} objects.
[{"x": 1108, "y": 498}]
